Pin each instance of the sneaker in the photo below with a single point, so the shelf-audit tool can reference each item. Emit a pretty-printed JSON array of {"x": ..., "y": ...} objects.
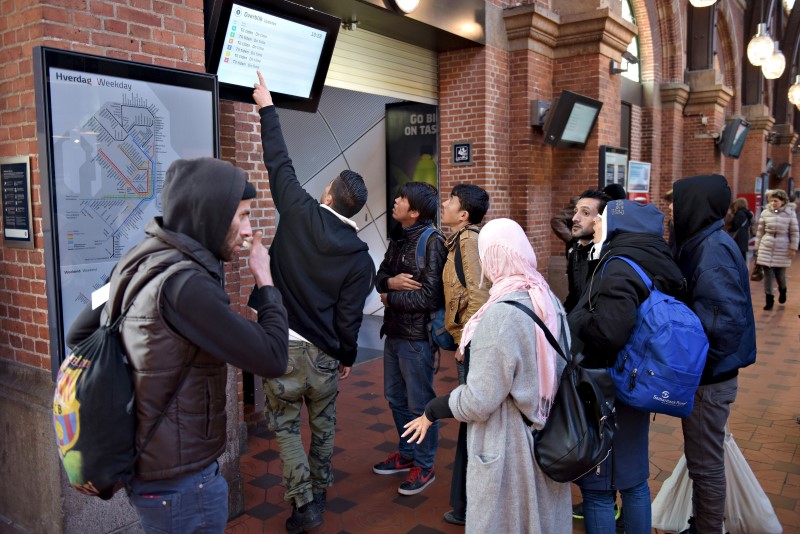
[
  {"x": 577, "y": 511},
  {"x": 320, "y": 500},
  {"x": 691, "y": 529},
  {"x": 617, "y": 512},
  {"x": 303, "y": 519},
  {"x": 450, "y": 517},
  {"x": 393, "y": 464},
  {"x": 418, "y": 479}
]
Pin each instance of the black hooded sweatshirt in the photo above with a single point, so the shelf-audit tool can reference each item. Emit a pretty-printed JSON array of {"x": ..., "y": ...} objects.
[{"x": 320, "y": 265}]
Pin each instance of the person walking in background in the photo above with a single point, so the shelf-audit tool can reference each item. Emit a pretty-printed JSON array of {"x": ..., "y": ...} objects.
[
  {"x": 776, "y": 244},
  {"x": 740, "y": 224},
  {"x": 180, "y": 332},
  {"x": 410, "y": 296},
  {"x": 601, "y": 325},
  {"x": 512, "y": 380},
  {"x": 464, "y": 294},
  {"x": 718, "y": 291},
  {"x": 325, "y": 272}
]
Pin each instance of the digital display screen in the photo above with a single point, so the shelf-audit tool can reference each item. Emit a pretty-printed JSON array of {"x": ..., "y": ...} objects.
[
  {"x": 580, "y": 123},
  {"x": 290, "y": 44},
  {"x": 286, "y": 52}
]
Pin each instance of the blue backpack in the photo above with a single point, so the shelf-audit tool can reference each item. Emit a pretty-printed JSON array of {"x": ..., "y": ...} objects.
[{"x": 659, "y": 369}]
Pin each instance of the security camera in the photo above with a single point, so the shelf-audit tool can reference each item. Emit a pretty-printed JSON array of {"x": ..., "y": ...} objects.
[{"x": 630, "y": 58}]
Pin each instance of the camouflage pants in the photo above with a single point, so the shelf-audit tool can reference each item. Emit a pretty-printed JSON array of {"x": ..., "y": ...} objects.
[{"x": 312, "y": 378}]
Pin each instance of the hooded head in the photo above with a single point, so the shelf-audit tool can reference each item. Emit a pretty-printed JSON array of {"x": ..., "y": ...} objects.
[
  {"x": 698, "y": 202},
  {"x": 629, "y": 217},
  {"x": 200, "y": 198}
]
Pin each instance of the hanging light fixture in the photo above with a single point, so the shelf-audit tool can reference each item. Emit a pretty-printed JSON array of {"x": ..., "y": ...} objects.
[
  {"x": 774, "y": 66},
  {"x": 794, "y": 92},
  {"x": 760, "y": 47},
  {"x": 703, "y": 3},
  {"x": 788, "y": 5}
]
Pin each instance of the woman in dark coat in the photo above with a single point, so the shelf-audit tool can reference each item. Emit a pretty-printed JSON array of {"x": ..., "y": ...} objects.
[
  {"x": 739, "y": 228},
  {"x": 601, "y": 324}
]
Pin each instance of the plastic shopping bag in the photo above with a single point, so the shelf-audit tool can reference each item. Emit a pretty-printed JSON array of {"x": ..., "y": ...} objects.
[
  {"x": 673, "y": 504},
  {"x": 747, "y": 507}
]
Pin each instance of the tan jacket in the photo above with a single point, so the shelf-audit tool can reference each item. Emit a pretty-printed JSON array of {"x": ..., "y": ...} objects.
[{"x": 462, "y": 302}]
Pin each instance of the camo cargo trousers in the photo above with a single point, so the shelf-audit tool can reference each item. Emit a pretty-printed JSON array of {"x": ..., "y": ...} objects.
[{"x": 312, "y": 378}]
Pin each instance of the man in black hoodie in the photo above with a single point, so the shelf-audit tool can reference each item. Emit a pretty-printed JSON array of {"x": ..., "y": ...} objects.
[
  {"x": 180, "y": 332},
  {"x": 325, "y": 273},
  {"x": 719, "y": 293}
]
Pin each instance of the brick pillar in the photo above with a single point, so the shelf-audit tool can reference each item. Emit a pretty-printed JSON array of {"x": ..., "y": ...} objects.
[
  {"x": 755, "y": 152},
  {"x": 550, "y": 53},
  {"x": 781, "y": 152},
  {"x": 673, "y": 99},
  {"x": 707, "y": 102}
]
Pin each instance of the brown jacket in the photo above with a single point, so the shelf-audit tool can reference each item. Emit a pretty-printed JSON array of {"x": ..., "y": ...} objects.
[{"x": 462, "y": 302}]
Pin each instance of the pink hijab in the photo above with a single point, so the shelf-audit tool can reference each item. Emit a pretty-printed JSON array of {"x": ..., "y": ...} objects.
[{"x": 508, "y": 260}]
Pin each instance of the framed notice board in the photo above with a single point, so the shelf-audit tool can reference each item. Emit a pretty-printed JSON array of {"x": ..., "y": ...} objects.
[
  {"x": 107, "y": 132},
  {"x": 15, "y": 193}
]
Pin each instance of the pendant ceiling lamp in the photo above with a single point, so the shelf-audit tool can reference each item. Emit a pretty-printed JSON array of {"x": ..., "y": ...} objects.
[
  {"x": 774, "y": 66},
  {"x": 703, "y": 3},
  {"x": 760, "y": 47},
  {"x": 794, "y": 91}
]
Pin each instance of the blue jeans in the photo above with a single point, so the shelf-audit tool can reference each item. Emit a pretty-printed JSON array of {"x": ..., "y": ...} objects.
[
  {"x": 408, "y": 387},
  {"x": 197, "y": 502},
  {"x": 598, "y": 510},
  {"x": 704, "y": 447}
]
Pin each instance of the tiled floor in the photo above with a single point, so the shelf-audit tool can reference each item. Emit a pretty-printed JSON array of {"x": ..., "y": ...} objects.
[{"x": 762, "y": 421}]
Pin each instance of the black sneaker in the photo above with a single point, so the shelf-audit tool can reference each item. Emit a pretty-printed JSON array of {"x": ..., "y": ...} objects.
[
  {"x": 691, "y": 529},
  {"x": 418, "y": 479},
  {"x": 393, "y": 464},
  {"x": 577, "y": 511},
  {"x": 303, "y": 519},
  {"x": 320, "y": 499}
]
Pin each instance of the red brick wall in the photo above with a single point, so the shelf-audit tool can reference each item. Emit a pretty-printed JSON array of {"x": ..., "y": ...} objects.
[{"x": 167, "y": 33}]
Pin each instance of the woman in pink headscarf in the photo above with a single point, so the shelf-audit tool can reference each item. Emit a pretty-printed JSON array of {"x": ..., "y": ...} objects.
[{"x": 513, "y": 376}]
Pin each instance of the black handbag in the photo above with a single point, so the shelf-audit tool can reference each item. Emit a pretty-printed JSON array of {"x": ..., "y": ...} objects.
[{"x": 577, "y": 435}]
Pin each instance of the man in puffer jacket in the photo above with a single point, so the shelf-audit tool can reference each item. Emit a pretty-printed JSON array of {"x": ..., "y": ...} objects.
[
  {"x": 410, "y": 296},
  {"x": 719, "y": 293}
]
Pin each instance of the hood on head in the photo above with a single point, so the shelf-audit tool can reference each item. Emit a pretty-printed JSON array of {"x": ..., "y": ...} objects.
[
  {"x": 200, "y": 198},
  {"x": 627, "y": 216},
  {"x": 698, "y": 201}
]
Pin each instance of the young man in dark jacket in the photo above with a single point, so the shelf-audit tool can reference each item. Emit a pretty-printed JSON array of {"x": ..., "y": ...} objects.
[
  {"x": 324, "y": 272},
  {"x": 719, "y": 293},
  {"x": 601, "y": 324},
  {"x": 410, "y": 296},
  {"x": 181, "y": 320}
]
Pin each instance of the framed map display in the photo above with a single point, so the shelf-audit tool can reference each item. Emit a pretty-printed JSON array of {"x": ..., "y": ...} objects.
[{"x": 107, "y": 132}]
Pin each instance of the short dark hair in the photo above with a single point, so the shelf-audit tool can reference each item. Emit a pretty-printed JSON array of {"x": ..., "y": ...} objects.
[
  {"x": 473, "y": 199},
  {"x": 422, "y": 197},
  {"x": 598, "y": 195},
  {"x": 349, "y": 193}
]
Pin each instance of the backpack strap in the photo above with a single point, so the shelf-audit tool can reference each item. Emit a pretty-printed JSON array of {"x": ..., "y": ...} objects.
[
  {"x": 635, "y": 266},
  {"x": 459, "y": 263},
  {"x": 540, "y": 324},
  {"x": 422, "y": 246}
]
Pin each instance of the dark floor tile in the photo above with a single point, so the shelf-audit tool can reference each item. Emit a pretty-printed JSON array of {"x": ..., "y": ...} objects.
[
  {"x": 266, "y": 481},
  {"x": 410, "y": 501},
  {"x": 264, "y": 433},
  {"x": 337, "y": 450},
  {"x": 448, "y": 379},
  {"x": 422, "y": 529},
  {"x": 339, "y": 505},
  {"x": 363, "y": 383},
  {"x": 268, "y": 455},
  {"x": 373, "y": 410},
  {"x": 339, "y": 475},
  {"x": 367, "y": 396},
  {"x": 380, "y": 427},
  {"x": 448, "y": 444},
  {"x": 265, "y": 511},
  {"x": 387, "y": 446}
]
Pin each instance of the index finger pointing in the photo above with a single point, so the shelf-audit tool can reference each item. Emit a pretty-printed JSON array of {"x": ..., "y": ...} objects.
[{"x": 260, "y": 78}]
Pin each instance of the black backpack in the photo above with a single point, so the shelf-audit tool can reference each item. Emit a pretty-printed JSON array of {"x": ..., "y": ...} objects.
[
  {"x": 577, "y": 435},
  {"x": 94, "y": 411}
]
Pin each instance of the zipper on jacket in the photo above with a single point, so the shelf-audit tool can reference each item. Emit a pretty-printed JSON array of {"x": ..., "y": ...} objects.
[{"x": 622, "y": 363}]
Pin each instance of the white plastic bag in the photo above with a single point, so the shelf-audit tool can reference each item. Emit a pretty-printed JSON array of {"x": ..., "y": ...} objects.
[
  {"x": 673, "y": 504},
  {"x": 747, "y": 507}
]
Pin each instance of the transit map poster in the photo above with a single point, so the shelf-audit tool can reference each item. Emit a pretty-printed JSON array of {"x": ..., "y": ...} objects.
[{"x": 108, "y": 131}]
